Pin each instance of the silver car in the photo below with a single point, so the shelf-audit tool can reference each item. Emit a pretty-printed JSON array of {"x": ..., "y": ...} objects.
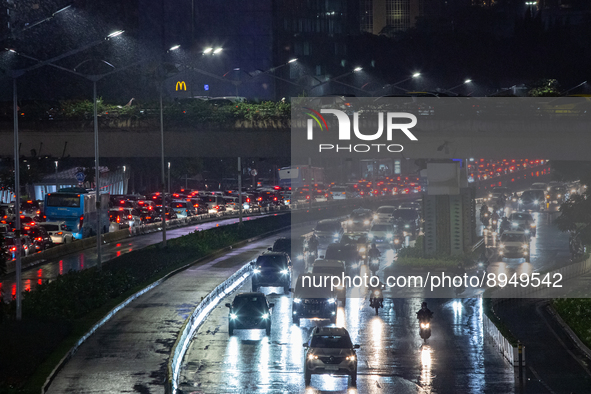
[
  {"x": 330, "y": 351},
  {"x": 58, "y": 231}
]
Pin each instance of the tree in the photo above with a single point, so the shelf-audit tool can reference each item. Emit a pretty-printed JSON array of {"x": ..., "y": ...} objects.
[
  {"x": 575, "y": 213},
  {"x": 545, "y": 88}
]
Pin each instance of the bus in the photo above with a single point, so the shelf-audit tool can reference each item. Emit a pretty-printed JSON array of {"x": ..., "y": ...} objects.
[
  {"x": 77, "y": 207},
  {"x": 297, "y": 176}
]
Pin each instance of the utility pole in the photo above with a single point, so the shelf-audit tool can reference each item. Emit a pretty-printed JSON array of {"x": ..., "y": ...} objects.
[{"x": 239, "y": 190}]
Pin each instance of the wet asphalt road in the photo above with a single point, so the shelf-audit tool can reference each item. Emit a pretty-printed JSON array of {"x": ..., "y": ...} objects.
[
  {"x": 88, "y": 258},
  {"x": 458, "y": 358}
]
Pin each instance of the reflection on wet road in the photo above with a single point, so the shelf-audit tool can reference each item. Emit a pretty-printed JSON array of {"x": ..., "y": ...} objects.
[{"x": 392, "y": 357}]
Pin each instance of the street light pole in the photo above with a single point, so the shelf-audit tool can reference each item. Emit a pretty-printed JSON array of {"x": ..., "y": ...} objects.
[
  {"x": 56, "y": 185},
  {"x": 99, "y": 261},
  {"x": 240, "y": 190},
  {"x": 17, "y": 205},
  {"x": 168, "y": 177},
  {"x": 163, "y": 177}
]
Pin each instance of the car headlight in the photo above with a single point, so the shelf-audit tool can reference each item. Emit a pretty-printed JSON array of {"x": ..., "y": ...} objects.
[
  {"x": 256, "y": 271},
  {"x": 513, "y": 199},
  {"x": 233, "y": 316},
  {"x": 389, "y": 235},
  {"x": 533, "y": 225},
  {"x": 514, "y": 224},
  {"x": 520, "y": 201},
  {"x": 341, "y": 287},
  {"x": 375, "y": 217},
  {"x": 396, "y": 241},
  {"x": 331, "y": 300},
  {"x": 525, "y": 246},
  {"x": 351, "y": 358},
  {"x": 265, "y": 316},
  {"x": 284, "y": 272},
  {"x": 526, "y": 231},
  {"x": 560, "y": 195},
  {"x": 356, "y": 265},
  {"x": 425, "y": 325},
  {"x": 370, "y": 235},
  {"x": 336, "y": 235},
  {"x": 349, "y": 222},
  {"x": 376, "y": 293},
  {"x": 366, "y": 222},
  {"x": 312, "y": 357},
  {"x": 362, "y": 249},
  {"x": 501, "y": 246},
  {"x": 536, "y": 201},
  {"x": 490, "y": 195},
  {"x": 297, "y": 300},
  {"x": 300, "y": 257},
  {"x": 407, "y": 226}
]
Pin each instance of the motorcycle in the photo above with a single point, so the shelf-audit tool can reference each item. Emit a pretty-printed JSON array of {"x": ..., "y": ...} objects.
[
  {"x": 374, "y": 265},
  {"x": 376, "y": 300},
  {"x": 425, "y": 328}
]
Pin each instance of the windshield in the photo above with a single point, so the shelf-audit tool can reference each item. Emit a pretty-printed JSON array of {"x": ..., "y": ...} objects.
[
  {"x": 331, "y": 341},
  {"x": 355, "y": 237},
  {"x": 63, "y": 200},
  {"x": 405, "y": 214},
  {"x": 360, "y": 214},
  {"x": 282, "y": 245},
  {"x": 272, "y": 261},
  {"x": 249, "y": 303},
  {"x": 381, "y": 227},
  {"x": 512, "y": 238},
  {"x": 179, "y": 205},
  {"x": 521, "y": 216},
  {"x": 327, "y": 226},
  {"x": 50, "y": 227},
  {"x": 209, "y": 199},
  {"x": 386, "y": 210}
]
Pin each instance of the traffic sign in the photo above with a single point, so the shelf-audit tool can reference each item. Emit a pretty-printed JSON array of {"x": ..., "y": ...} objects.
[
  {"x": 80, "y": 176},
  {"x": 253, "y": 172}
]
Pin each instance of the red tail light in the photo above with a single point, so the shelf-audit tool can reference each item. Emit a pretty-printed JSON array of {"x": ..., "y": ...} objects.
[
  {"x": 122, "y": 202},
  {"x": 27, "y": 228},
  {"x": 118, "y": 219},
  {"x": 248, "y": 200},
  {"x": 39, "y": 239},
  {"x": 13, "y": 249},
  {"x": 129, "y": 216},
  {"x": 60, "y": 233},
  {"x": 274, "y": 198},
  {"x": 81, "y": 221},
  {"x": 216, "y": 207}
]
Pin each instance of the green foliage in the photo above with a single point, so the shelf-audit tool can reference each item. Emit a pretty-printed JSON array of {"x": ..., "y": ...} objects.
[
  {"x": 545, "y": 88},
  {"x": 415, "y": 257},
  {"x": 184, "y": 112},
  {"x": 576, "y": 312}
]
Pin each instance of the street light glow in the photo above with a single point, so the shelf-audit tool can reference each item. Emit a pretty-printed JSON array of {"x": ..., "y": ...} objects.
[
  {"x": 174, "y": 48},
  {"x": 115, "y": 34},
  {"x": 293, "y": 60},
  {"x": 356, "y": 69},
  {"x": 217, "y": 50},
  {"x": 61, "y": 10},
  {"x": 207, "y": 50},
  {"x": 467, "y": 81},
  {"x": 416, "y": 75}
]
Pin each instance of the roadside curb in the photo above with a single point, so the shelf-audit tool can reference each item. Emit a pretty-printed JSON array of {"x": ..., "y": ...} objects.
[
  {"x": 131, "y": 298},
  {"x": 569, "y": 331}
]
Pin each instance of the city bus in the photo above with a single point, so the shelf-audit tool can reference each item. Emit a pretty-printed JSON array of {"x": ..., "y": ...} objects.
[{"x": 77, "y": 207}]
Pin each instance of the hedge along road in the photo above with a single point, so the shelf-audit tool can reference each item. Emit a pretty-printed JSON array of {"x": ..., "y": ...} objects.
[
  {"x": 130, "y": 352},
  {"x": 87, "y": 258}
]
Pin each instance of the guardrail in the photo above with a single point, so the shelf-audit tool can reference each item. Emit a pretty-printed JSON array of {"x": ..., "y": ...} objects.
[
  {"x": 506, "y": 346},
  {"x": 200, "y": 313}
]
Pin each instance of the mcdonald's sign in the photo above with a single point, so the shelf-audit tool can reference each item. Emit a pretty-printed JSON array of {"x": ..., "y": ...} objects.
[{"x": 181, "y": 85}]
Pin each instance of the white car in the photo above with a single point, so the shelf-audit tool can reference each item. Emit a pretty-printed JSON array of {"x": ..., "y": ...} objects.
[
  {"x": 58, "y": 231},
  {"x": 381, "y": 233},
  {"x": 339, "y": 193},
  {"x": 514, "y": 244},
  {"x": 385, "y": 214}
]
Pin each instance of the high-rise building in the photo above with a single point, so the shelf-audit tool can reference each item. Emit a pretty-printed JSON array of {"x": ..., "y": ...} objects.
[{"x": 389, "y": 16}]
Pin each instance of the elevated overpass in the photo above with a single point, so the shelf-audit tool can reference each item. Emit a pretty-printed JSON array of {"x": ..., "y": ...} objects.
[{"x": 437, "y": 139}]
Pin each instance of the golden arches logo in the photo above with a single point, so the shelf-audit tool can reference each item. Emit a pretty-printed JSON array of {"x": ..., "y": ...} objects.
[{"x": 181, "y": 85}]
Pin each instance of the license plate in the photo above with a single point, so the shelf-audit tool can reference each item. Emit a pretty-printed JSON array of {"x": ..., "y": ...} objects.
[{"x": 332, "y": 367}]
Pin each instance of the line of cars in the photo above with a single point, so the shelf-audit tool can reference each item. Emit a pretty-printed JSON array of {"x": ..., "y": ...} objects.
[{"x": 329, "y": 350}]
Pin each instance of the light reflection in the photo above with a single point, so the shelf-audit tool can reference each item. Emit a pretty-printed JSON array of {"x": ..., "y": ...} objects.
[
  {"x": 340, "y": 317},
  {"x": 232, "y": 358},
  {"x": 264, "y": 374},
  {"x": 377, "y": 332},
  {"x": 426, "y": 378},
  {"x": 353, "y": 317},
  {"x": 457, "y": 308}
]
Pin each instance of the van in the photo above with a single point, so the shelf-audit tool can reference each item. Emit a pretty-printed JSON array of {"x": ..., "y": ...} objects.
[
  {"x": 214, "y": 203},
  {"x": 313, "y": 302}
]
